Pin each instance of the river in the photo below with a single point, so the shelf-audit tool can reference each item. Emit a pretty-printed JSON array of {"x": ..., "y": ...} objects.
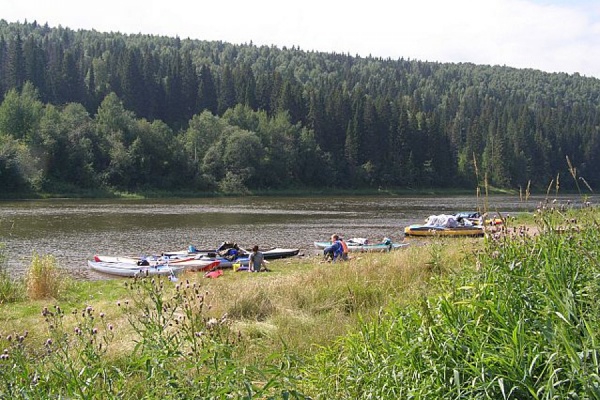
[{"x": 74, "y": 230}]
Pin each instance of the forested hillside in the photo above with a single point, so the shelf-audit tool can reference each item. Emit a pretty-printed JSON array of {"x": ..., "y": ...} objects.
[{"x": 85, "y": 109}]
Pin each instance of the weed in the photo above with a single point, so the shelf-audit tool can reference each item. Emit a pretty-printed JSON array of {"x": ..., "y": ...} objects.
[{"x": 43, "y": 278}]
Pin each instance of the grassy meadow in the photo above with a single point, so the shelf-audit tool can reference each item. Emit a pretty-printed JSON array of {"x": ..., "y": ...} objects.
[{"x": 514, "y": 315}]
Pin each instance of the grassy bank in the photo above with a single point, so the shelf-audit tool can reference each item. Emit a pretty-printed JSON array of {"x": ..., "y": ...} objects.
[{"x": 512, "y": 316}]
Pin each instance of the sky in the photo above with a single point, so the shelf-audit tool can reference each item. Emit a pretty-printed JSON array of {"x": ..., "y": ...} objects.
[{"x": 548, "y": 35}]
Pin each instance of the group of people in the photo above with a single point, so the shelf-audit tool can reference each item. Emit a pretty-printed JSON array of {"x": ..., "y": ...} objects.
[{"x": 338, "y": 250}]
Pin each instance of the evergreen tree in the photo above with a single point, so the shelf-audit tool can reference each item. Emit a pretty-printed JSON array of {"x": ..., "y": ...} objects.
[
  {"x": 189, "y": 87},
  {"x": 35, "y": 65},
  {"x": 226, "y": 97},
  {"x": 133, "y": 87},
  {"x": 15, "y": 69},
  {"x": 207, "y": 91},
  {"x": 246, "y": 86},
  {"x": 71, "y": 80}
]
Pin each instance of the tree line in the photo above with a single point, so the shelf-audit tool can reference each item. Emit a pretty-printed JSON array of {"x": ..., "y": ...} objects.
[{"x": 85, "y": 109}]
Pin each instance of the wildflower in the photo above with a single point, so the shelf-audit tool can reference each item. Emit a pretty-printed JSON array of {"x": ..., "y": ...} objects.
[{"x": 211, "y": 322}]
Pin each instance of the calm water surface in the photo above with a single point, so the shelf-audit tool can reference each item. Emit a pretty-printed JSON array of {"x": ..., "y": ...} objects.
[{"x": 74, "y": 230}]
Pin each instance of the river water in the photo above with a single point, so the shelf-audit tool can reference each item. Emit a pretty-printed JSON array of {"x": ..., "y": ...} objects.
[{"x": 74, "y": 230}]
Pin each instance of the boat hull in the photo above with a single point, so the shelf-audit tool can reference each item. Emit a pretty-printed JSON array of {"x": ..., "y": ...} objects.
[
  {"x": 270, "y": 254},
  {"x": 430, "y": 230},
  {"x": 131, "y": 270},
  {"x": 364, "y": 248},
  {"x": 224, "y": 263},
  {"x": 187, "y": 263},
  {"x": 273, "y": 254}
]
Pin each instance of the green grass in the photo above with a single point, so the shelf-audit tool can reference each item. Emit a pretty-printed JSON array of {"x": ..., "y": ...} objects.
[
  {"x": 511, "y": 316},
  {"x": 524, "y": 325}
]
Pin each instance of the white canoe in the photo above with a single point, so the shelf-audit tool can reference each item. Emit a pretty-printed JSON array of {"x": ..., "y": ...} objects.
[
  {"x": 188, "y": 263},
  {"x": 130, "y": 270},
  {"x": 196, "y": 264}
]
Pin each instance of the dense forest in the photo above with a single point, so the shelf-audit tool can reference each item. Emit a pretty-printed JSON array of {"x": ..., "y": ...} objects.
[{"x": 84, "y": 110}]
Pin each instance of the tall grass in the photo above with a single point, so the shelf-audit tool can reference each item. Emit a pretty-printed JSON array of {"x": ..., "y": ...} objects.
[
  {"x": 246, "y": 337},
  {"x": 524, "y": 326},
  {"x": 512, "y": 316},
  {"x": 11, "y": 289},
  {"x": 180, "y": 351},
  {"x": 43, "y": 278}
]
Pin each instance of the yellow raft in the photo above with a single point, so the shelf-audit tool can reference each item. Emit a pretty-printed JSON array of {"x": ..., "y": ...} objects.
[{"x": 433, "y": 230}]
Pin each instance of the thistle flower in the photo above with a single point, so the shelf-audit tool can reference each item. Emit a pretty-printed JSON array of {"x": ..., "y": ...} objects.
[{"x": 211, "y": 322}]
